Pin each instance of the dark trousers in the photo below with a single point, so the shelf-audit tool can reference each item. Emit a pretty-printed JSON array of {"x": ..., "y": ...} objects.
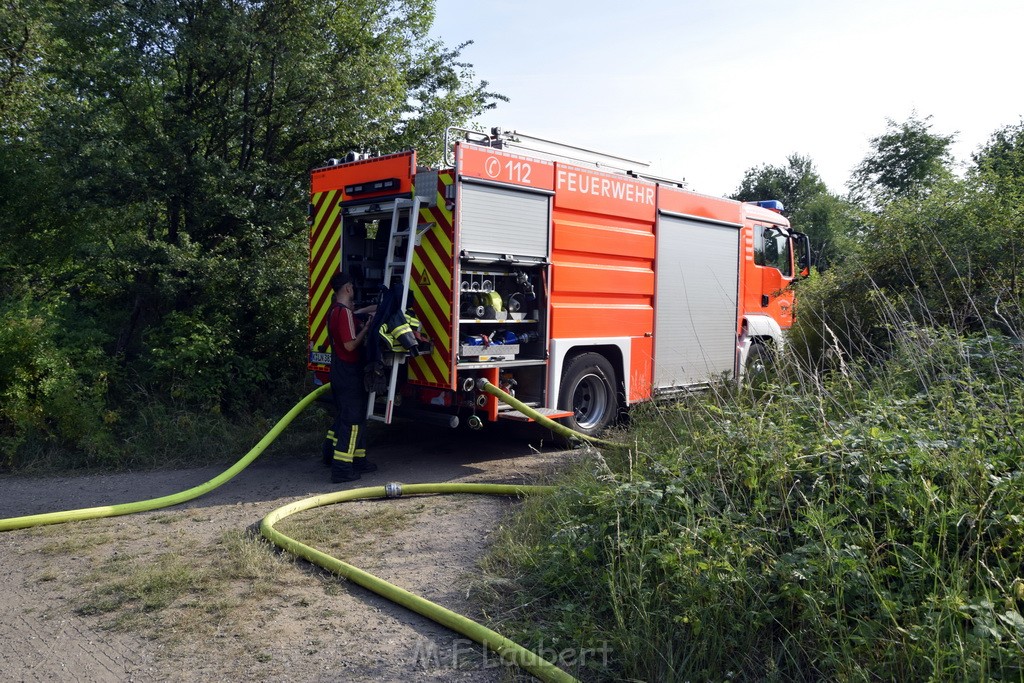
[{"x": 350, "y": 407}]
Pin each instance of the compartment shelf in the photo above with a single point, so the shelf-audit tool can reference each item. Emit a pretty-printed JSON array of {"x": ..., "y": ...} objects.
[
  {"x": 478, "y": 365},
  {"x": 494, "y": 321}
]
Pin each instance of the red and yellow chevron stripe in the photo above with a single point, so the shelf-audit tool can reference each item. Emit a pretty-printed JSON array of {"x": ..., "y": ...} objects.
[
  {"x": 324, "y": 262},
  {"x": 431, "y": 290}
]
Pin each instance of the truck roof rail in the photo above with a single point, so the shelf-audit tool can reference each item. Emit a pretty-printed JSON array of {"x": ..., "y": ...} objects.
[{"x": 502, "y": 139}]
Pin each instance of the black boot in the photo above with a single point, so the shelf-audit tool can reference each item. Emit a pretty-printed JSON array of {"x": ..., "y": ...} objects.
[
  {"x": 364, "y": 465},
  {"x": 342, "y": 471}
]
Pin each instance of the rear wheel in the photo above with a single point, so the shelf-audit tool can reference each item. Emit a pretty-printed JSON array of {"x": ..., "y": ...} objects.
[{"x": 589, "y": 390}]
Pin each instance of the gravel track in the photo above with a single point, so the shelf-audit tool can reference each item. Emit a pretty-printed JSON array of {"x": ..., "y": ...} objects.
[{"x": 308, "y": 626}]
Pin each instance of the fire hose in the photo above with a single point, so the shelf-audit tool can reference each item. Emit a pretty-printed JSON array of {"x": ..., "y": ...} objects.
[{"x": 507, "y": 649}]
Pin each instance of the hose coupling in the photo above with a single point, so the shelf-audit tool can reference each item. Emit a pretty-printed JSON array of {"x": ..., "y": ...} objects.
[
  {"x": 393, "y": 490},
  {"x": 481, "y": 383},
  {"x": 475, "y": 422}
]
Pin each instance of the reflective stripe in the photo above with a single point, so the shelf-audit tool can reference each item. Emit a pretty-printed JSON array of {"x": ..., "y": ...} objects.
[
  {"x": 431, "y": 289},
  {"x": 353, "y": 435},
  {"x": 324, "y": 261},
  {"x": 346, "y": 456}
]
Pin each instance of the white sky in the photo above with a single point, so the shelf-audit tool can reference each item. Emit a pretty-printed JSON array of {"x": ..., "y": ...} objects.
[{"x": 706, "y": 90}]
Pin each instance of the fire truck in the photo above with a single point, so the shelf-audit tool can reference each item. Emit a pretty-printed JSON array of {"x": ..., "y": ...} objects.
[{"x": 561, "y": 275}]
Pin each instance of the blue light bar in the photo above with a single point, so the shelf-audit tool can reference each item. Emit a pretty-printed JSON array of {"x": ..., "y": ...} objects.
[{"x": 772, "y": 205}]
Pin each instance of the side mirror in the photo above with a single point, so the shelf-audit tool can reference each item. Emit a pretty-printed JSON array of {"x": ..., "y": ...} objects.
[{"x": 802, "y": 248}]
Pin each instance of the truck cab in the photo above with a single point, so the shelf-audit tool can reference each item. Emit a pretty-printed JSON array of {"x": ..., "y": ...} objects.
[{"x": 774, "y": 257}]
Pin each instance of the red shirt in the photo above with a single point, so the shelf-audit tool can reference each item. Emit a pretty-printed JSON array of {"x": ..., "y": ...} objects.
[{"x": 341, "y": 326}]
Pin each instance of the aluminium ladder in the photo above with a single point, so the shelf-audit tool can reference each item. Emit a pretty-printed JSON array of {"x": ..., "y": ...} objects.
[{"x": 397, "y": 269}]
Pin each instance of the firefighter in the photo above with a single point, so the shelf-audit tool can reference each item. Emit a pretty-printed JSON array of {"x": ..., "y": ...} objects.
[{"x": 346, "y": 439}]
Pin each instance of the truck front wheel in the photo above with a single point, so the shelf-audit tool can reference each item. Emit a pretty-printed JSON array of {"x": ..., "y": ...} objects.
[
  {"x": 760, "y": 366},
  {"x": 588, "y": 389}
]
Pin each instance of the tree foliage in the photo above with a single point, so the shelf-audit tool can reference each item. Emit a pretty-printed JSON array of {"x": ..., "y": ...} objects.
[
  {"x": 941, "y": 251},
  {"x": 794, "y": 184},
  {"x": 154, "y": 175},
  {"x": 905, "y": 161},
  {"x": 999, "y": 164}
]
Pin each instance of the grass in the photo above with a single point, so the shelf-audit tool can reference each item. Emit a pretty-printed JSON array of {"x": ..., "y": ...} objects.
[
  {"x": 353, "y": 528},
  {"x": 70, "y": 544},
  {"x": 862, "y": 525},
  {"x": 188, "y": 588},
  {"x": 191, "y": 589},
  {"x": 134, "y": 587}
]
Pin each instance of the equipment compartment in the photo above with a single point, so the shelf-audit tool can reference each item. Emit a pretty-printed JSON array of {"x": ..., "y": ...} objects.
[{"x": 501, "y": 310}]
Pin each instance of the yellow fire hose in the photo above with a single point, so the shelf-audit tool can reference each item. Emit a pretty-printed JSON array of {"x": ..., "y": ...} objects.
[
  {"x": 507, "y": 649},
  {"x": 559, "y": 429},
  {"x": 174, "y": 498}
]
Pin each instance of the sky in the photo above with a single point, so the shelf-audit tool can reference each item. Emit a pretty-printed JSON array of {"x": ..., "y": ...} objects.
[{"x": 704, "y": 91}]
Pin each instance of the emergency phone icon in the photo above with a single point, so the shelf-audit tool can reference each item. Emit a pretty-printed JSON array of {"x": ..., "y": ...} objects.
[{"x": 492, "y": 167}]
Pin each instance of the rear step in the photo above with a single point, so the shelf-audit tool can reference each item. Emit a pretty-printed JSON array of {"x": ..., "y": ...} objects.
[{"x": 516, "y": 416}]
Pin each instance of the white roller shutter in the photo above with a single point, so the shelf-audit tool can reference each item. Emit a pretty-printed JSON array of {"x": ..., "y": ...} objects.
[
  {"x": 696, "y": 301},
  {"x": 496, "y": 220}
]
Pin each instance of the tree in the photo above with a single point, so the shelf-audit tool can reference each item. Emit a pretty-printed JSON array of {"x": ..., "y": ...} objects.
[
  {"x": 191, "y": 131},
  {"x": 1000, "y": 162},
  {"x": 793, "y": 184},
  {"x": 153, "y": 205},
  {"x": 905, "y": 161}
]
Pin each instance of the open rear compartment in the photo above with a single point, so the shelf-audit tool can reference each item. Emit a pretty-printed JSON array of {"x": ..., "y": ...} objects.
[
  {"x": 503, "y": 223},
  {"x": 502, "y": 332}
]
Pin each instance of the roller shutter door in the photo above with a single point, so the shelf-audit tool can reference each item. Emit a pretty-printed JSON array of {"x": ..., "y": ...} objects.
[
  {"x": 696, "y": 301},
  {"x": 496, "y": 220}
]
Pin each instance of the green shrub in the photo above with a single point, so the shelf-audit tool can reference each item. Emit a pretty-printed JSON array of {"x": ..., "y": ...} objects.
[
  {"x": 869, "y": 526},
  {"x": 52, "y": 382},
  {"x": 949, "y": 258}
]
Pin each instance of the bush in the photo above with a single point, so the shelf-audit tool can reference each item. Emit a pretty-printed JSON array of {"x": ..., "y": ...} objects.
[
  {"x": 869, "y": 528},
  {"x": 949, "y": 258},
  {"x": 52, "y": 382}
]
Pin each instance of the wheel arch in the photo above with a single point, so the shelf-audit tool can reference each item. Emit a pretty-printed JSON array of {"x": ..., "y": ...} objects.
[
  {"x": 758, "y": 329},
  {"x": 615, "y": 350}
]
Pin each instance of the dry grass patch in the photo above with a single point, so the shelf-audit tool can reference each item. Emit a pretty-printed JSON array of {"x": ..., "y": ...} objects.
[{"x": 191, "y": 589}]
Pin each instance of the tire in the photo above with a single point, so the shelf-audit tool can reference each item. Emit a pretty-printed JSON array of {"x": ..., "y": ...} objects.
[
  {"x": 589, "y": 389},
  {"x": 759, "y": 369}
]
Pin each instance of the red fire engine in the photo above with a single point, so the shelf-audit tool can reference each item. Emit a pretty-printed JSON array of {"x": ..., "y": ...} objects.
[{"x": 579, "y": 286}]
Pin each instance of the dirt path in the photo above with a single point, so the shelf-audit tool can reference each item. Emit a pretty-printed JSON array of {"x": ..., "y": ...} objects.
[{"x": 189, "y": 593}]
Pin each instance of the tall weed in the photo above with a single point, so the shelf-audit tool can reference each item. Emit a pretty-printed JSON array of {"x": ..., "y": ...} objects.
[{"x": 865, "y": 524}]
